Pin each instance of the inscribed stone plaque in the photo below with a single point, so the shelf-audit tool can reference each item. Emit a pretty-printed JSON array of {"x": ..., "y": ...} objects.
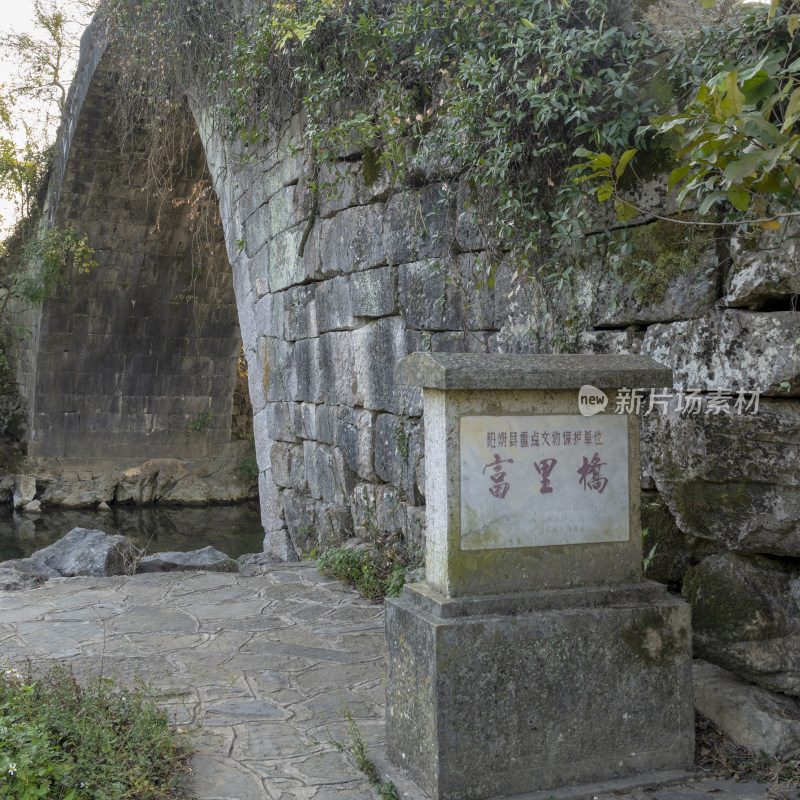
[{"x": 536, "y": 481}]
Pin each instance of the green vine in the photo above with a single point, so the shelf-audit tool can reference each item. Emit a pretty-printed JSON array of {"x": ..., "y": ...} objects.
[
  {"x": 47, "y": 260},
  {"x": 500, "y": 99},
  {"x": 34, "y": 266},
  {"x": 735, "y": 128},
  {"x": 495, "y": 94}
]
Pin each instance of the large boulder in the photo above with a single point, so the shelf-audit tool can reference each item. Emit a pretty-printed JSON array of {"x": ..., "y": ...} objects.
[
  {"x": 733, "y": 479},
  {"x": 207, "y": 558},
  {"x": 88, "y": 552},
  {"x": 764, "y": 271},
  {"x": 746, "y": 618},
  {"x": 24, "y": 490},
  {"x": 749, "y": 715},
  {"x": 80, "y": 493},
  {"x": 733, "y": 350}
]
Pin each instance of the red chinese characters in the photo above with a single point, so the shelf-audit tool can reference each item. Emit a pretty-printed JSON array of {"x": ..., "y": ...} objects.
[
  {"x": 590, "y": 474},
  {"x": 500, "y": 485},
  {"x": 544, "y": 468}
]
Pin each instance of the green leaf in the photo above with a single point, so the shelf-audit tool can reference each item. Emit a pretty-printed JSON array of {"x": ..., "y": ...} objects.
[
  {"x": 667, "y": 123},
  {"x": 709, "y": 201},
  {"x": 767, "y": 184},
  {"x": 751, "y": 72},
  {"x": 757, "y": 88},
  {"x": 676, "y": 176},
  {"x": 773, "y": 8},
  {"x": 623, "y": 161},
  {"x": 746, "y": 165},
  {"x": 732, "y": 104},
  {"x": 758, "y": 128},
  {"x": 601, "y": 160},
  {"x": 738, "y": 197},
  {"x": 603, "y": 193},
  {"x": 792, "y": 23},
  {"x": 624, "y": 211},
  {"x": 792, "y": 110}
]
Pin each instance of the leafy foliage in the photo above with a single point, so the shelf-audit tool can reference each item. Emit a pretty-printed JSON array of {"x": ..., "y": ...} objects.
[
  {"x": 32, "y": 101},
  {"x": 497, "y": 93},
  {"x": 47, "y": 261},
  {"x": 66, "y": 741},
  {"x": 502, "y": 95},
  {"x": 375, "y": 574},
  {"x": 737, "y": 138},
  {"x": 23, "y": 169}
]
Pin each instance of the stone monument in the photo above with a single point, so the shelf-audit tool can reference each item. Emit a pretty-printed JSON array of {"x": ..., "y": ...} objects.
[{"x": 536, "y": 655}]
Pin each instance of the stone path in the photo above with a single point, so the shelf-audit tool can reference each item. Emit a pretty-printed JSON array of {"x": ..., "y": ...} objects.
[{"x": 262, "y": 664}]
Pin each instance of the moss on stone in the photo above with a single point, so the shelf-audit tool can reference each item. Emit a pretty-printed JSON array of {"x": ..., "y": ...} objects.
[
  {"x": 696, "y": 502},
  {"x": 717, "y": 603},
  {"x": 370, "y": 166},
  {"x": 657, "y": 160},
  {"x": 661, "y": 90},
  {"x": 653, "y": 638},
  {"x": 657, "y": 254},
  {"x": 734, "y": 596},
  {"x": 641, "y": 7}
]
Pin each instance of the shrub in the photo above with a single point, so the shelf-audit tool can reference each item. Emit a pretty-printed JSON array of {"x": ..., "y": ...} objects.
[
  {"x": 62, "y": 740},
  {"x": 374, "y": 575}
]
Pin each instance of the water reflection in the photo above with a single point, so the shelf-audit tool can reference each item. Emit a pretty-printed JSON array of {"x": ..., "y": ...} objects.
[{"x": 233, "y": 529}]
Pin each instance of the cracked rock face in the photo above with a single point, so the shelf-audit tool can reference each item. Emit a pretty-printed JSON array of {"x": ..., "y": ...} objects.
[
  {"x": 733, "y": 479},
  {"x": 746, "y": 618},
  {"x": 762, "y": 276},
  {"x": 733, "y": 350}
]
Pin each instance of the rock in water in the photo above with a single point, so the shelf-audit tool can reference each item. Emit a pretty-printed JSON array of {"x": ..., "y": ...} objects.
[
  {"x": 208, "y": 558},
  {"x": 88, "y": 552},
  {"x": 24, "y": 490}
]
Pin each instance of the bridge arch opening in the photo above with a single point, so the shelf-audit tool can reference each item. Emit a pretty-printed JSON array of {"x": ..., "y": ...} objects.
[{"x": 139, "y": 359}]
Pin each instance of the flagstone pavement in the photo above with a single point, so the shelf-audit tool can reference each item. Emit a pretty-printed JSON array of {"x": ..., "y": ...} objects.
[{"x": 260, "y": 664}]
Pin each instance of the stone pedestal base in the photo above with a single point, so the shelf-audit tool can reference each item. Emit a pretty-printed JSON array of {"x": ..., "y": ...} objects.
[{"x": 503, "y": 695}]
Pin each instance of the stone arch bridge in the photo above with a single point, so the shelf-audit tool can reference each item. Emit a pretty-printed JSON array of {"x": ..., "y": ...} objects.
[{"x": 140, "y": 350}]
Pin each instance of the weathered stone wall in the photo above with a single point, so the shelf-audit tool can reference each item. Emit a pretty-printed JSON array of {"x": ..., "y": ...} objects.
[
  {"x": 139, "y": 351},
  {"x": 136, "y": 361},
  {"x": 329, "y": 300},
  {"x": 22, "y": 350},
  {"x": 341, "y": 449}
]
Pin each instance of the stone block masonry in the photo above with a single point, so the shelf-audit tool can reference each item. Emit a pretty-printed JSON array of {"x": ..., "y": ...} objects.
[
  {"x": 138, "y": 359},
  {"x": 485, "y": 704},
  {"x": 119, "y": 367},
  {"x": 534, "y": 656}
]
